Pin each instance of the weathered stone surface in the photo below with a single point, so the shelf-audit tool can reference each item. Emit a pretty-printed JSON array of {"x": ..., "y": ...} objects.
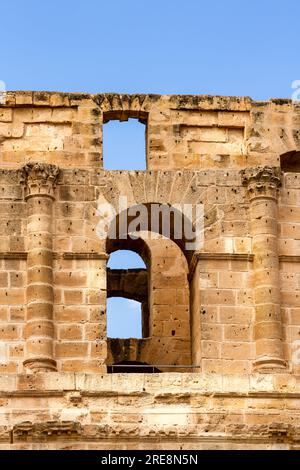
[{"x": 221, "y": 322}]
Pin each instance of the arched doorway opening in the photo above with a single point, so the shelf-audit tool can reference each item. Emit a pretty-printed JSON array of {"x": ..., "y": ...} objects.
[{"x": 163, "y": 288}]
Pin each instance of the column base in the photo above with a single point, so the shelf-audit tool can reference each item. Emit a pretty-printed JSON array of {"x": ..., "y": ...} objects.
[
  {"x": 40, "y": 364},
  {"x": 269, "y": 365}
]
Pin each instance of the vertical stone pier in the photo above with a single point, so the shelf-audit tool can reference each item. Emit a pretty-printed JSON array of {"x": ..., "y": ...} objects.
[
  {"x": 262, "y": 186},
  {"x": 40, "y": 180}
]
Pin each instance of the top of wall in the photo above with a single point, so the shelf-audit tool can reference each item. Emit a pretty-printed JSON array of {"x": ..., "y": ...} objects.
[
  {"x": 183, "y": 131},
  {"x": 54, "y": 98}
]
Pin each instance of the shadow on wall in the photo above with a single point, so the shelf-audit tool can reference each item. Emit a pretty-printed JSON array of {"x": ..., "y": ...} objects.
[
  {"x": 290, "y": 162},
  {"x": 132, "y": 367}
]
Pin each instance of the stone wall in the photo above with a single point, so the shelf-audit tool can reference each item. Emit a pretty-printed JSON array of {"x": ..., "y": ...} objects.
[
  {"x": 149, "y": 411},
  {"x": 228, "y": 312}
]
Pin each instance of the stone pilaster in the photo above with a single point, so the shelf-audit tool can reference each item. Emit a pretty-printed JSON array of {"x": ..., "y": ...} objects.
[
  {"x": 262, "y": 186},
  {"x": 40, "y": 180}
]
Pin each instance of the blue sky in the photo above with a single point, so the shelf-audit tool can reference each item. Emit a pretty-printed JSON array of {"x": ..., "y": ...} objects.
[
  {"x": 124, "y": 315},
  {"x": 161, "y": 46}
]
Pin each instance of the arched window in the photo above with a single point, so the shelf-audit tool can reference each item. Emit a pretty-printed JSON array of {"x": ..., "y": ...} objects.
[
  {"x": 127, "y": 292},
  {"x": 162, "y": 288}
]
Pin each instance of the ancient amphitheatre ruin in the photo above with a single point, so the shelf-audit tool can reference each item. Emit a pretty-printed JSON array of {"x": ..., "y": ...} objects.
[{"x": 220, "y": 353}]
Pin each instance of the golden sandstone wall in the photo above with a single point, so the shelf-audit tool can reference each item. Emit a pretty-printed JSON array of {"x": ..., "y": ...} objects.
[{"x": 229, "y": 312}]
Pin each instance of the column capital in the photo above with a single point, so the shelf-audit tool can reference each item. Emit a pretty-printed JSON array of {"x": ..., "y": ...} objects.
[
  {"x": 39, "y": 178},
  {"x": 262, "y": 181}
]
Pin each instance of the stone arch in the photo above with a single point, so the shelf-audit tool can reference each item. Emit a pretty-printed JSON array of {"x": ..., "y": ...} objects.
[
  {"x": 144, "y": 187},
  {"x": 163, "y": 219},
  {"x": 138, "y": 245}
]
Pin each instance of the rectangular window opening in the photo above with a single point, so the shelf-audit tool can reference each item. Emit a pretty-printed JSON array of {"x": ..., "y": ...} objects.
[{"x": 124, "y": 144}]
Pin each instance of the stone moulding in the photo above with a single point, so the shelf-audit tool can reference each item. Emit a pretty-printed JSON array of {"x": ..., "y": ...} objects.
[
  {"x": 73, "y": 431},
  {"x": 49, "y": 429},
  {"x": 67, "y": 255},
  {"x": 184, "y": 394},
  {"x": 199, "y": 256}
]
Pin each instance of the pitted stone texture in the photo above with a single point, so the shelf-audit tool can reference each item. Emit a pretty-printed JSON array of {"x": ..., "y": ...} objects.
[{"x": 220, "y": 310}]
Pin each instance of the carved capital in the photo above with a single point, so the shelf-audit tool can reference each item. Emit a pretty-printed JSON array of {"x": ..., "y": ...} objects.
[
  {"x": 262, "y": 181},
  {"x": 40, "y": 178}
]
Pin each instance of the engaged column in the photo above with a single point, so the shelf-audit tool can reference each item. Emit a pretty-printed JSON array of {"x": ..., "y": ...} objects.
[
  {"x": 40, "y": 180},
  {"x": 262, "y": 185}
]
